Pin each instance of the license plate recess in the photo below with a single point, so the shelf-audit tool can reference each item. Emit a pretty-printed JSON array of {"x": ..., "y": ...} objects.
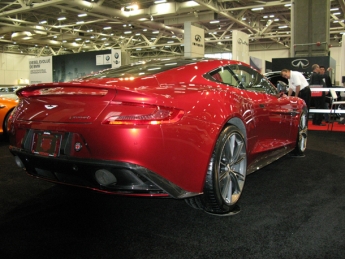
[{"x": 46, "y": 143}]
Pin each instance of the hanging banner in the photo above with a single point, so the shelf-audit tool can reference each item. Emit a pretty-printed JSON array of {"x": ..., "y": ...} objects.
[
  {"x": 103, "y": 59},
  {"x": 41, "y": 70},
  {"x": 240, "y": 46},
  {"x": 115, "y": 58},
  {"x": 194, "y": 41}
]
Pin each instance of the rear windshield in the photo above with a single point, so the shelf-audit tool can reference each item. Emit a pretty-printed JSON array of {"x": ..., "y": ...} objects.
[{"x": 142, "y": 68}]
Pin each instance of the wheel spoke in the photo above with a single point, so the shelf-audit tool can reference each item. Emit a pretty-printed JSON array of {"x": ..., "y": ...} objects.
[{"x": 227, "y": 189}]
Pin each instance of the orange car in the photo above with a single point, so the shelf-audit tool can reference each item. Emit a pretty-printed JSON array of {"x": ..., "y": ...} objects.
[{"x": 7, "y": 104}]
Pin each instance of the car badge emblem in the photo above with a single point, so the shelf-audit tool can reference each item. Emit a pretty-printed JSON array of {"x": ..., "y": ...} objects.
[
  {"x": 50, "y": 106},
  {"x": 240, "y": 41},
  {"x": 300, "y": 62},
  {"x": 77, "y": 146}
]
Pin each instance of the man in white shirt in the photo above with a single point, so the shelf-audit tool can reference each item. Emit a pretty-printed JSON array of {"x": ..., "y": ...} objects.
[{"x": 298, "y": 85}]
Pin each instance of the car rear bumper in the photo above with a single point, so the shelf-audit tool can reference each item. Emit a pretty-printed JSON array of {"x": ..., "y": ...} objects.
[{"x": 100, "y": 175}]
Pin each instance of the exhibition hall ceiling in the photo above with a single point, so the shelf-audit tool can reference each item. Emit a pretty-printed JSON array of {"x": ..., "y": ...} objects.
[{"x": 146, "y": 28}]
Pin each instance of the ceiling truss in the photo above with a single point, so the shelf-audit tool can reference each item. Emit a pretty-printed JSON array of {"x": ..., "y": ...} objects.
[{"x": 32, "y": 27}]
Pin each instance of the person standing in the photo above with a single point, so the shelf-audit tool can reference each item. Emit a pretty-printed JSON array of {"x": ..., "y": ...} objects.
[
  {"x": 328, "y": 84},
  {"x": 319, "y": 101},
  {"x": 298, "y": 85}
]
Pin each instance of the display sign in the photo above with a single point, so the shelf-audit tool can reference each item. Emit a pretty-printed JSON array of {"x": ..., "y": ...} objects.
[
  {"x": 103, "y": 59},
  {"x": 240, "y": 46},
  {"x": 41, "y": 70},
  {"x": 115, "y": 58},
  {"x": 194, "y": 41}
]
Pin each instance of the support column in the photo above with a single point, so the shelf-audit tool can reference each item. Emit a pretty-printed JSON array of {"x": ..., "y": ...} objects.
[
  {"x": 342, "y": 62},
  {"x": 310, "y": 31}
]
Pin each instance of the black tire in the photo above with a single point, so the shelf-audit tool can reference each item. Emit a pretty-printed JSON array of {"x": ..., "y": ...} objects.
[
  {"x": 302, "y": 135},
  {"x": 5, "y": 123},
  {"x": 225, "y": 175}
]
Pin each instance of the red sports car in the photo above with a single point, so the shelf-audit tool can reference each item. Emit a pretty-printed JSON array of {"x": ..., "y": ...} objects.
[{"x": 189, "y": 129}]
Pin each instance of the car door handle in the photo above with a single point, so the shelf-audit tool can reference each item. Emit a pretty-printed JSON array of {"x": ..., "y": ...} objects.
[{"x": 261, "y": 105}]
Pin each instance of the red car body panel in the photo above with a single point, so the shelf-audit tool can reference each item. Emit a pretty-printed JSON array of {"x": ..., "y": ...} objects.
[{"x": 178, "y": 151}]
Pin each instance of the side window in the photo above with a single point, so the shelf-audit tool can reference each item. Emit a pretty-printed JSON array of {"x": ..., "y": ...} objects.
[
  {"x": 251, "y": 80},
  {"x": 242, "y": 77},
  {"x": 223, "y": 75}
]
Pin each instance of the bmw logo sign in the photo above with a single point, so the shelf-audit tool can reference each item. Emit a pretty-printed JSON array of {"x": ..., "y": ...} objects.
[
  {"x": 107, "y": 58},
  {"x": 116, "y": 55},
  {"x": 77, "y": 146}
]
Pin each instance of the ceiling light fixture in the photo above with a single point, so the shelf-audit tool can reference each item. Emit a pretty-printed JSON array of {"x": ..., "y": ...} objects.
[
  {"x": 257, "y": 9},
  {"x": 82, "y": 15},
  {"x": 107, "y": 28},
  {"x": 61, "y": 18},
  {"x": 132, "y": 7},
  {"x": 160, "y": 1}
]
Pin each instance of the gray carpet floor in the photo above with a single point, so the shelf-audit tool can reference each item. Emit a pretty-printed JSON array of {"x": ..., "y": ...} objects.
[{"x": 293, "y": 208}]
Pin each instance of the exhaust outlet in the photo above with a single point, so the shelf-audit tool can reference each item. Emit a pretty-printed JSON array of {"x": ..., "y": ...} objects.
[
  {"x": 105, "y": 178},
  {"x": 19, "y": 162}
]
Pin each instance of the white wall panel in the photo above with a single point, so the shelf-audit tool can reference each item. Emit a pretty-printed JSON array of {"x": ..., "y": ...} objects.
[
  {"x": 2, "y": 61},
  {"x": 13, "y": 67},
  {"x": 11, "y": 77},
  {"x": 2, "y": 77},
  {"x": 10, "y": 61}
]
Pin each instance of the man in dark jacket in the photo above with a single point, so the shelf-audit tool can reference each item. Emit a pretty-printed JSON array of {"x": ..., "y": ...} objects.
[{"x": 317, "y": 79}]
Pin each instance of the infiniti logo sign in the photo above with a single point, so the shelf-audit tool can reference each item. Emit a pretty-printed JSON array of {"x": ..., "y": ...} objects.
[
  {"x": 240, "y": 41},
  {"x": 303, "y": 63},
  {"x": 197, "y": 42}
]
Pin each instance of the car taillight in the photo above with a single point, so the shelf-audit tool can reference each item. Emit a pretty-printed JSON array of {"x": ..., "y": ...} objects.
[
  {"x": 61, "y": 91},
  {"x": 150, "y": 114}
]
